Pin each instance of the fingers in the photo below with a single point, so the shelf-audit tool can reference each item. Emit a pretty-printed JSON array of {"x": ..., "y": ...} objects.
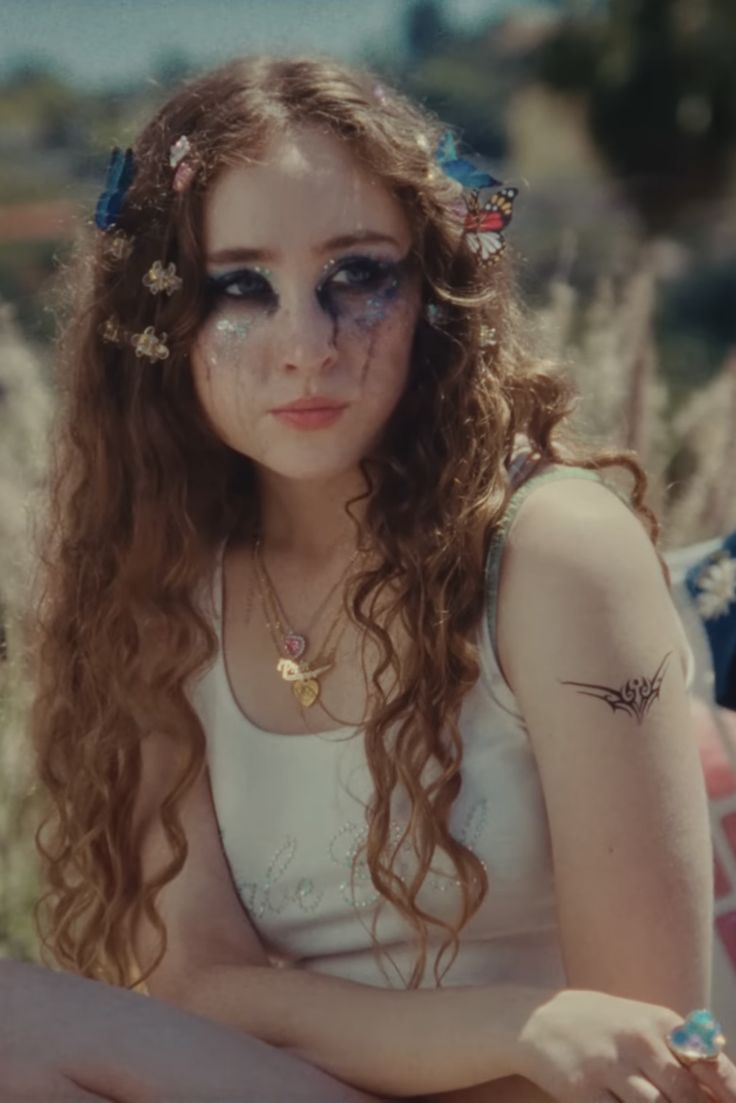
[
  {"x": 675, "y": 1082},
  {"x": 719, "y": 1077},
  {"x": 637, "y": 1089},
  {"x": 640, "y": 1089}
]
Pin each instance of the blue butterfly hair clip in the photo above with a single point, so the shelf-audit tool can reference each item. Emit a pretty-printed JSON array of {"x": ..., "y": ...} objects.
[
  {"x": 120, "y": 172},
  {"x": 465, "y": 172}
]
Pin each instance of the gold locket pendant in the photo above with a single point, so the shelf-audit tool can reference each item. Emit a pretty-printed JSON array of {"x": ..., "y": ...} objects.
[
  {"x": 307, "y": 692},
  {"x": 304, "y": 684}
]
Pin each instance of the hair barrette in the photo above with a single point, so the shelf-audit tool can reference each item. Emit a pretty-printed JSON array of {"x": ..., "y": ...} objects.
[
  {"x": 158, "y": 278},
  {"x": 460, "y": 169},
  {"x": 436, "y": 314},
  {"x": 484, "y": 224},
  {"x": 113, "y": 332},
  {"x": 180, "y": 149},
  {"x": 481, "y": 223},
  {"x": 119, "y": 246},
  {"x": 488, "y": 337},
  {"x": 120, "y": 173},
  {"x": 180, "y": 160},
  {"x": 151, "y": 346}
]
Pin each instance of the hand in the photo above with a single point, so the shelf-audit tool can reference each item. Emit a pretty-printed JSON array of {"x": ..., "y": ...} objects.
[{"x": 590, "y": 1047}]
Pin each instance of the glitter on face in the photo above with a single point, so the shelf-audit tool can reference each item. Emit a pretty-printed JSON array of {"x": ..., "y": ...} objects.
[
  {"x": 377, "y": 306},
  {"x": 233, "y": 329},
  {"x": 366, "y": 302}
]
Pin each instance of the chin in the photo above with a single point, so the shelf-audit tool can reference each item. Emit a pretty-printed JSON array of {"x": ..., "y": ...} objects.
[
  {"x": 312, "y": 465},
  {"x": 316, "y": 472}
]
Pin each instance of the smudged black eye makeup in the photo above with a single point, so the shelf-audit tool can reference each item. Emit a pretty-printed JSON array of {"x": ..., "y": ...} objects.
[
  {"x": 245, "y": 283},
  {"x": 364, "y": 274},
  {"x": 349, "y": 278}
]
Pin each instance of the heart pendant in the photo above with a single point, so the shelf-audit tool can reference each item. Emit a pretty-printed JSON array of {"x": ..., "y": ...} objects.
[
  {"x": 306, "y": 692},
  {"x": 294, "y": 645}
]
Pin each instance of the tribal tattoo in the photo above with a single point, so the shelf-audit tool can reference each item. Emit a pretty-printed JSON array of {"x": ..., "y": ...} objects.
[{"x": 634, "y": 697}]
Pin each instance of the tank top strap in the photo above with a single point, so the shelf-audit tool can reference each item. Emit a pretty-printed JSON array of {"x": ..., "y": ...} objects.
[{"x": 498, "y": 540}]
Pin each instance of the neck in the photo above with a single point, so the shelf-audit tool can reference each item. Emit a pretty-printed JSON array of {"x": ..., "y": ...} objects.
[{"x": 307, "y": 518}]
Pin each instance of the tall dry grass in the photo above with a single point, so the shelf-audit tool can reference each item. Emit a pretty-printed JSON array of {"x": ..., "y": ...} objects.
[
  {"x": 608, "y": 344},
  {"x": 26, "y": 407}
]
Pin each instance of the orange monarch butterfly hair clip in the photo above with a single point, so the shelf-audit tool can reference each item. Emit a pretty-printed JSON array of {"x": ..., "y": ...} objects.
[{"x": 483, "y": 224}]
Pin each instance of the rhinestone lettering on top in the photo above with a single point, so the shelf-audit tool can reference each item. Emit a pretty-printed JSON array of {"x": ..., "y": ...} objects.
[
  {"x": 260, "y": 897},
  {"x": 266, "y": 896},
  {"x": 474, "y": 826},
  {"x": 342, "y": 851},
  {"x": 366, "y": 893}
]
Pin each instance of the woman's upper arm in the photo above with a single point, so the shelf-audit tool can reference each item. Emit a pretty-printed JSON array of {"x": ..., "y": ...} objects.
[
  {"x": 205, "y": 920},
  {"x": 591, "y": 644}
]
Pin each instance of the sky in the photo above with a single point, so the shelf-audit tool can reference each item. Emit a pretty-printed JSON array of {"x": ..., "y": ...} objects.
[{"x": 94, "y": 43}]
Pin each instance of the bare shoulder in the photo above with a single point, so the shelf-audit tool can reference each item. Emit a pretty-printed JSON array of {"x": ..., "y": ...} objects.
[
  {"x": 574, "y": 540},
  {"x": 556, "y": 513}
]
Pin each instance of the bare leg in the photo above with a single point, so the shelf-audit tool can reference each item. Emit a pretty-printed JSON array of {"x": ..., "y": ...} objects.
[{"x": 130, "y": 1048}]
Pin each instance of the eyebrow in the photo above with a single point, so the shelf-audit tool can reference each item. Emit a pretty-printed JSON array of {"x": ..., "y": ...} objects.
[{"x": 239, "y": 253}]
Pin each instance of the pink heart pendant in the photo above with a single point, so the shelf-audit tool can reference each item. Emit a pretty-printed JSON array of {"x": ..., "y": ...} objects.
[{"x": 295, "y": 645}]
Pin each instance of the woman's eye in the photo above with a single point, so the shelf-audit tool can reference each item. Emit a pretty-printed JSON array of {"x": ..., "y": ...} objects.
[
  {"x": 238, "y": 285},
  {"x": 363, "y": 274}
]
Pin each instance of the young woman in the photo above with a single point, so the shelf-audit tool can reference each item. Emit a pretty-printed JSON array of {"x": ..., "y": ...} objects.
[{"x": 377, "y": 795}]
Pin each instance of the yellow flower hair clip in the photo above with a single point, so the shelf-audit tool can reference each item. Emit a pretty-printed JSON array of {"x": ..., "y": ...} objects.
[
  {"x": 158, "y": 278},
  {"x": 151, "y": 346},
  {"x": 113, "y": 332},
  {"x": 119, "y": 245}
]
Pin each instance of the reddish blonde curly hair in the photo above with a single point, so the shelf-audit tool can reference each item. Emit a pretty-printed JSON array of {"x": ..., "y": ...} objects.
[{"x": 141, "y": 492}]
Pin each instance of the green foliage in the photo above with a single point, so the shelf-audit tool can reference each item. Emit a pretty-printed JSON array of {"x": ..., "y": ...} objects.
[
  {"x": 26, "y": 267},
  {"x": 19, "y": 878},
  {"x": 660, "y": 85}
]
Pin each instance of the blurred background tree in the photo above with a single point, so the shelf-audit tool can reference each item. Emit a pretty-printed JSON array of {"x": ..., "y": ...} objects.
[{"x": 659, "y": 83}]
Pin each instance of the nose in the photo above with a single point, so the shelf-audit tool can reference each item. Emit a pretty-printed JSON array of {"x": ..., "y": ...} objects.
[{"x": 308, "y": 335}]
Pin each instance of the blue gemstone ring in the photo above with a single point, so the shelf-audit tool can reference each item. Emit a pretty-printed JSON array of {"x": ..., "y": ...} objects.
[{"x": 698, "y": 1038}]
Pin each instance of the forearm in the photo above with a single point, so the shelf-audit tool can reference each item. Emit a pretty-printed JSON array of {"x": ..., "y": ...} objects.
[
  {"x": 66, "y": 1035},
  {"x": 509, "y": 1089},
  {"x": 398, "y": 1043}
]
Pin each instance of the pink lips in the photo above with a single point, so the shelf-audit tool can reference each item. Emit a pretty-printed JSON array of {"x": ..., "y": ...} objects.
[{"x": 310, "y": 413}]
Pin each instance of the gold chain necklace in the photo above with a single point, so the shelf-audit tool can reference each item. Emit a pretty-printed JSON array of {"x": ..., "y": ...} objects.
[
  {"x": 294, "y": 643},
  {"x": 301, "y": 675}
]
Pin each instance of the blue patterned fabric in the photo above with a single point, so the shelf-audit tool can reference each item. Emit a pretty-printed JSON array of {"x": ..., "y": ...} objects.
[{"x": 711, "y": 583}]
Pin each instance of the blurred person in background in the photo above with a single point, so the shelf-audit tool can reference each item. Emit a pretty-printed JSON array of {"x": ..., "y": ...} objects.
[{"x": 360, "y": 699}]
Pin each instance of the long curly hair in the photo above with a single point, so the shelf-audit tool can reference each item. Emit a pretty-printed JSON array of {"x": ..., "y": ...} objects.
[{"x": 141, "y": 491}]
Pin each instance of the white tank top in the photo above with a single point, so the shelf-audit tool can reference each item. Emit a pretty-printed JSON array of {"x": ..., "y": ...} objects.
[{"x": 291, "y": 813}]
